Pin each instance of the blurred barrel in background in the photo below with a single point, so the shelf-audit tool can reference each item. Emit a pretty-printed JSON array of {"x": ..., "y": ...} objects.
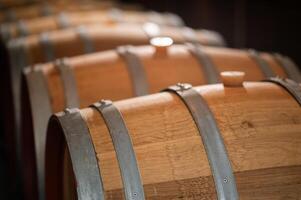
[
  {"x": 33, "y": 11},
  {"x": 70, "y": 19}
]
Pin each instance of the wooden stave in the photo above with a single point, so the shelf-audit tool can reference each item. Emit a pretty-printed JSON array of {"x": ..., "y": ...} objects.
[{"x": 216, "y": 96}]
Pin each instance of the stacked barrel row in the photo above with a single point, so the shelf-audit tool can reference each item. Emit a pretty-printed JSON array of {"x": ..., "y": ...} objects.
[{"x": 166, "y": 137}]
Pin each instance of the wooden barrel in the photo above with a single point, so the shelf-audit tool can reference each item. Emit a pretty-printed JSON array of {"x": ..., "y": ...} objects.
[
  {"x": 123, "y": 73},
  {"x": 75, "y": 41},
  {"x": 231, "y": 141},
  {"x": 86, "y": 39},
  {"x": 70, "y": 42},
  {"x": 70, "y": 19},
  {"x": 38, "y": 9}
]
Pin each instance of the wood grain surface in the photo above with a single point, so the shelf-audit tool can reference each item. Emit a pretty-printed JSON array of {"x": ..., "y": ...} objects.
[
  {"x": 105, "y": 75},
  {"x": 260, "y": 124}
]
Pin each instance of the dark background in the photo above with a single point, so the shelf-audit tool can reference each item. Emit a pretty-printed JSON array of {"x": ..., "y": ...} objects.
[{"x": 267, "y": 25}]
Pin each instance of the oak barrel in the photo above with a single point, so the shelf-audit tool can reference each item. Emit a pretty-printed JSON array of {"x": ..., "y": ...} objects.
[
  {"x": 70, "y": 19},
  {"x": 37, "y": 9},
  {"x": 82, "y": 80},
  {"x": 239, "y": 141}
]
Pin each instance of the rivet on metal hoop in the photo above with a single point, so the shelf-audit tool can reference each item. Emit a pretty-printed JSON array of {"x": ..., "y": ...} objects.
[
  {"x": 67, "y": 110},
  {"x": 184, "y": 86}
]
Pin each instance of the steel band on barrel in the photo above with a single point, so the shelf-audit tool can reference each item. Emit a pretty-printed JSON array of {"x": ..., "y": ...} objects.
[
  {"x": 208, "y": 67},
  {"x": 136, "y": 70},
  {"x": 291, "y": 86},
  {"x": 263, "y": 65},
  {"x": 69, "y": 83},
  {"x": 83, "y": 157},
  {"x": 133, "y": 187},
  {"x": 213, "y": 142}
]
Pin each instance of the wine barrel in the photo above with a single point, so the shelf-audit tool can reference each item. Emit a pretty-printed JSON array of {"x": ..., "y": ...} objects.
[
  {"x": 70, "y": 19},
  {"x": 38, "y": 9},
  {"x": 226, "y": 141},
  {"x": 123, "y": 73}
]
